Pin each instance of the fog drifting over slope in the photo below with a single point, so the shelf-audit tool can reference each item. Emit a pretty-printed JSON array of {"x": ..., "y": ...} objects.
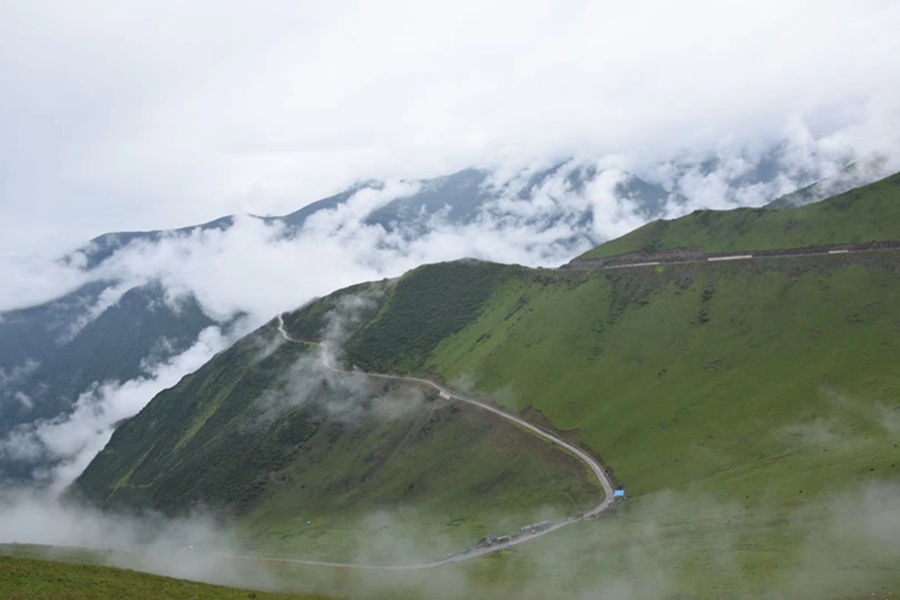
[
  {"x": 256, "y": 269},
  {"x": 642, "y": 550},
  {"x": 125, "y": 117}
]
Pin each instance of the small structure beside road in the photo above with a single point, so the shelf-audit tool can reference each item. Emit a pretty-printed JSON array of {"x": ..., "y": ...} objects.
[{"x": 536, "y": 527}]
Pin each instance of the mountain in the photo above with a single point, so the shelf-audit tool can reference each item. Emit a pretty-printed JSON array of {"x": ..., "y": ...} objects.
[
  {"x": 458, "y": 199},
  {"x": 855, "y": 175},
  {"x": 861, "y": 216},
  {"x": 50, "y": 357},
  {"x": 749, "y": 408},
  {"x": 119, "y": 325},
  {"x": 265, "y": 432}
]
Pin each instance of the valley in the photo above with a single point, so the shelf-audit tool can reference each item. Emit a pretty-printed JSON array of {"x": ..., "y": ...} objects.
[
  {"x": 515, "y": 539},
  {"x": 745, "y": 396},
  {"x": 435, "y": 301}
]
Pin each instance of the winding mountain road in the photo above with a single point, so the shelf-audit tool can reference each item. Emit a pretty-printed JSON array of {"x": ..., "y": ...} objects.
[
  {"x": 637, "y": 259},
  {"x": 599, "y": 264},
  {"x": 447, "y": 394}
]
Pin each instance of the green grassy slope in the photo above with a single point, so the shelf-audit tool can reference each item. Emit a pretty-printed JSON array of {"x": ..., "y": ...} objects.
[
  {"x": 765, "y": 392},
  {"x": 678, "y": 375},
  {"x": 331, "y": 466},
  {"x": 427, "y": 305},
  {"x": 38, "y": 579},
  {"x": 187, "y": 447},
  {"x": 405, "y": 491},
  {"x": 761, "y": 398},
  {"x": 751, "y": 409},
  {"x": 868, "y": 214}
]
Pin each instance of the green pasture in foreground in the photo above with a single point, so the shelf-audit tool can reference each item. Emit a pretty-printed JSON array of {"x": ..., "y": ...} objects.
[
  {"x": 33, "y": 579},
  {"x": 763, "y": 390}
]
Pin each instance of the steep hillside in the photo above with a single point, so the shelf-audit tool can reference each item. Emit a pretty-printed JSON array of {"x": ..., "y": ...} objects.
[
  {"x": 42, "y": 374},
  {"x": 50, "y": 354},
  {"x": 762, "y": 394},
  {"x": 743, "y": 405},
  {"x": 854, "y": 175},
  {"x": 867, "y": 214},
  {"x": 40, "y": 579},
  {"x": 48, "y": 357}
]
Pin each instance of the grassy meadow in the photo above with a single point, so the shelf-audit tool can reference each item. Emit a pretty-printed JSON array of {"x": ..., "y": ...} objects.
[
  {"x": 738, "y": 405},
  {"x": 311, "y": 464},
  {"x": 36, "y": 579},
  {"x": 750, "y": 409},
  {"x": 415, "y": 489}
]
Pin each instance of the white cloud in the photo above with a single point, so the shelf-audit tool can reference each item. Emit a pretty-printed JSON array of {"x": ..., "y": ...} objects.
[
  {"x": 126, "y": 116},
  {"x": 34, "y": 276},
  {"x": 12, "y": 375},
  {"x": 71, "y": 441}
]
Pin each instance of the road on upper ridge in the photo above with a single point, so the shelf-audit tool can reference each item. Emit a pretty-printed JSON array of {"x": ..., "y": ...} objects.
[
  {"x": 445, "y": 393},
  {"x": 840, "y": 249}
]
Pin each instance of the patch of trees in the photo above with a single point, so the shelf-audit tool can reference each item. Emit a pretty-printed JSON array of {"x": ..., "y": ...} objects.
[{"x": 426, "y": 306}]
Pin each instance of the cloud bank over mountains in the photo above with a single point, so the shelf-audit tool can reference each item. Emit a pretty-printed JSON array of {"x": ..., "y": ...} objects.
[
  {"x": 243, "y": 270},
  {"x": 63, "y": 446},
  {"x": 579, "y": 121},
  {"x": 539, "y": 216},
  {"x": 121, "y": 117}
]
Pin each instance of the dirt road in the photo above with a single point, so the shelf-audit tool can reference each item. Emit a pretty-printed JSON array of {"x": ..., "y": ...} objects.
[
  {"x": 591, "y": 463},
  {"x": 681, "y": 256}
]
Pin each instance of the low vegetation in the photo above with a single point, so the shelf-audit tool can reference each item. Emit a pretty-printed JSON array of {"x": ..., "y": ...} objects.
[
  {"x": 326, "y": 466},
  {"x": 757, "y": 394},
  {"x": 749, "y": 408},
  {"x": 426, "y": 305}
]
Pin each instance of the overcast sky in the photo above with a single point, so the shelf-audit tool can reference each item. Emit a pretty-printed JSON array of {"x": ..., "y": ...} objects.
[{"x": 118, "y": 115}]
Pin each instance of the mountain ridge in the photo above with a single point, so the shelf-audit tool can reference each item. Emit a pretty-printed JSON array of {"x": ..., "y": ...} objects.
[
  {"x": 767, "y": 383},
  {"x": 456, "y": 197}
]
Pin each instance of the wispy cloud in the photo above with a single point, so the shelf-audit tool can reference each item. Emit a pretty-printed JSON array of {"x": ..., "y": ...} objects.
[
  {"x": 61, "y": 448},
  {"x": 258, "y": 269},
  {"x": 129, "y": 117}
]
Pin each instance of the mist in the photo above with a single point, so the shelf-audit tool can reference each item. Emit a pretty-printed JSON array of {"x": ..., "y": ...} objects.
[
  {"x": 195, "y": 547},
  {"x": 643, "y": 551},
  {"x": 62, "y": 447},
  {"x": 120, "y": 117},
  {"x": 255, "y": 269},
  {"x": 652, "y": 546}
]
